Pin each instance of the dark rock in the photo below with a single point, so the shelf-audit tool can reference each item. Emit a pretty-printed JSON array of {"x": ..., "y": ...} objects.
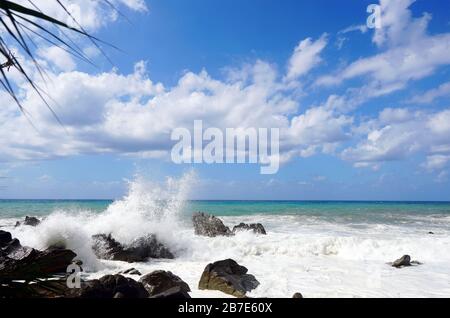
[
  {"x": 132, "y": 271},
  {"x": 297, "y": 295},
  {"x": 160, "y": 281},
  {"x": 31, "y": 221},
  {"x": 176, "y": 292},
  {"x": 25, "y": 263},
  {"x": 228, "y": 277},
  {"x": 149, "y": 247},
  {"x": 430, "y": 233},
  {"x": 5, "y": 238},
  {"x": 209, "y": 225},
  {"x": 17, "y": 224},
  {"x": 405, "y": 260},
  {"x": 128, "y": 287},
  {"x": 12, "y": 246},
  {"x": 106, "y": 247},
  {"x": 257, "y": 228},
  {"x": 109, "y": 286},
  {"x": 39, "y": 289}
]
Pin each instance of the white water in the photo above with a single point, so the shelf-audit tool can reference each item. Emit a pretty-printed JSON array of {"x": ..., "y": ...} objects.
[{"x": 299, "y": 254}]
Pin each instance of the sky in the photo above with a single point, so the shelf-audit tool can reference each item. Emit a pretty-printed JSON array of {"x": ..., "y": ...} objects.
[{"x": 363, "y": 113}]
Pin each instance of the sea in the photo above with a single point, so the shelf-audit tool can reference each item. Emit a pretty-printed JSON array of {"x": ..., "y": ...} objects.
[{"x": 317, "y": 248}]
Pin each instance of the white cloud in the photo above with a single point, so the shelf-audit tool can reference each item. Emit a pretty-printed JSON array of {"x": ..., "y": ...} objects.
[
  {"x": 436, "y": 162},
  {"x": 361, "y": 28},
  {"x": 305, "y": 57},
  {"x": 58, "y": 57},
  {"x": 131, "y": 114},
  {"x": 398, "y": 26},
  {"x": 318, "y": 127},
  {"x": 410, "y": 54},
  {"x": 397, "y": 135},
  {"x": 428, "y": 97},
  {"x": 91, "y": 15}
]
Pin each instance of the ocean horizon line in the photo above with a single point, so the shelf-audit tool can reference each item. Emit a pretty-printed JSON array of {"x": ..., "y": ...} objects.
[{"x": 245, "y": 200}]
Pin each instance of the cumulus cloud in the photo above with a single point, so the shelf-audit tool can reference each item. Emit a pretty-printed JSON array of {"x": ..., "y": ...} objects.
[
  {"x": 131, "y": 114},
  {"x": 57, "y": 57}
]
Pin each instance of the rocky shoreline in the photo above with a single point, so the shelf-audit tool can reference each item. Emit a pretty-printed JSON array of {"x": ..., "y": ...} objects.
[{"x": 29, "y": 273}]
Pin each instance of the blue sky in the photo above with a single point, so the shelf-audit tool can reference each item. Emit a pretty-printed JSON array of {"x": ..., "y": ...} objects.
[{"x": 364, "y": 113}]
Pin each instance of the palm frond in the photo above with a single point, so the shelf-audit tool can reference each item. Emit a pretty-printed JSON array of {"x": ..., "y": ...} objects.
[{"x": 21, "y": 23}]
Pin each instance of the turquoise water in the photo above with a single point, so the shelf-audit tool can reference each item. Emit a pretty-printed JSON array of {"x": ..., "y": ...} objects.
[{"x": 374, "y": 211}]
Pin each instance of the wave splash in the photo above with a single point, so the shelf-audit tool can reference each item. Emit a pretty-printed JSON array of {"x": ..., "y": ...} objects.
[{"x": 148, "y": 208}]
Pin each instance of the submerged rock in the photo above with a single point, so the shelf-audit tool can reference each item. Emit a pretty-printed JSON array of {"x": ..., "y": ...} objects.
[
  {"x": 158, "y": 282},
  {"x": 29, "y": 220},
  {"x": 131, "y": 271},
  {"x": 106, "y": 247},
  {"x": 405, "y": 260},
  {"x": 228, "y": 277},
  {"x": 209, "y": 225},
  {"x": 257, "y": 228}
]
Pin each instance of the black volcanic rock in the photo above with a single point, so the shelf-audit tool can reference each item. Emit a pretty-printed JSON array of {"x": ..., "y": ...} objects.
[
  {"x": 106, "y": 247},
  {"x": 257, "y": 228},
  {"x": 19, "y": 262},
  {"x": 5, "y": 238}
]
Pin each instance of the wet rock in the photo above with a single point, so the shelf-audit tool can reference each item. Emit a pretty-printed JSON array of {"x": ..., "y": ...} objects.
[
  {"x": 26, "y": 263},
  {"x": 405, "y": 260},
  {"x": 158, "y": 282},
  {"x": 19, "y": 262},
  {"x": 209, "y": 225},
  {"x": 109, "y": 286},
  {"x": 131, "y": 271},
  {"x": 31, "y": 221},
  {"x": 5, "y": 238},
  {"x": 431, "y": 233},
  {"x": 297, "y": 295},
  {"x": 106, "y": 247},
  {"x": 257, "y": 228},
  {"x": 38, "y": 289},
  {"x": 128, "y": 287},
  {"x": 176, "y": 292},
  {"x": 228, "y": 277}
]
